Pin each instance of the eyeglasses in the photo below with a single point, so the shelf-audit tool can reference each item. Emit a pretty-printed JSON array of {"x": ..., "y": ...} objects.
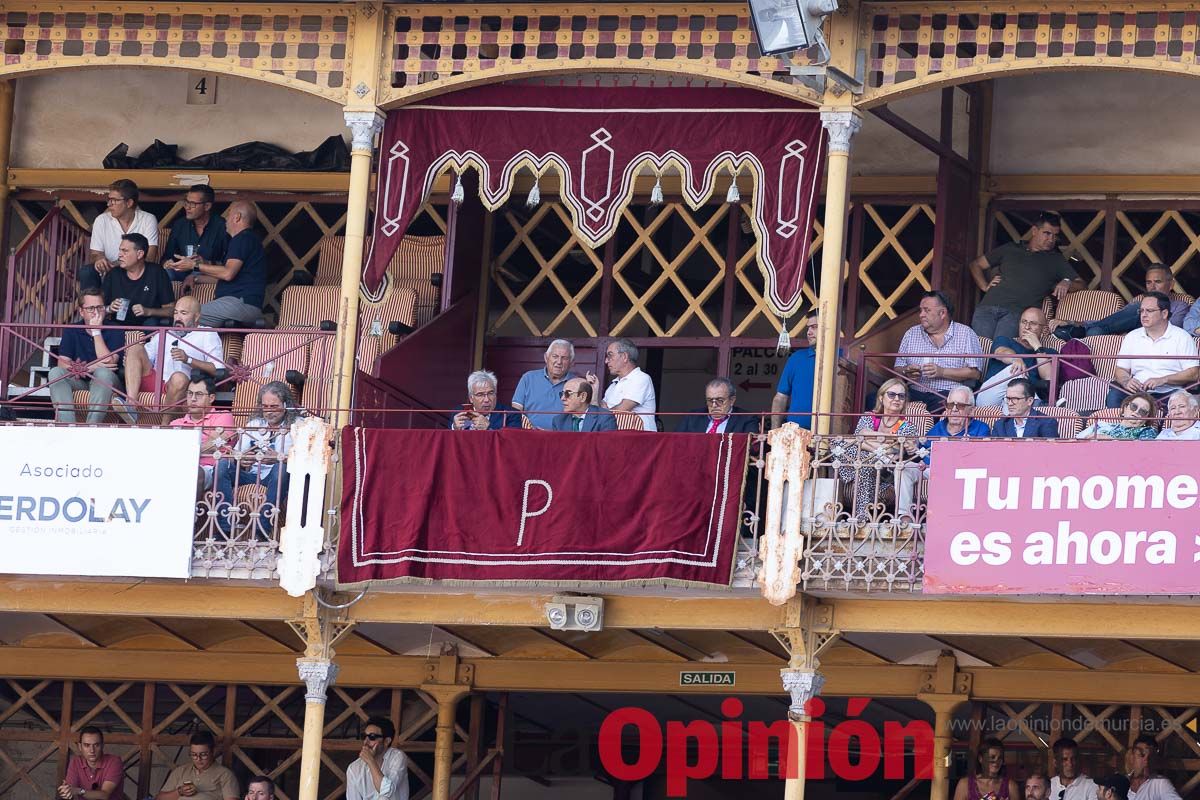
[
  {"x": 1014, "y": 399},
  {"x": 957, "y": 406},
  {"x": 94, "y": 309},
  {"x": 483, "y": 395},
  {"x": 205, "y": 756},
  {"x": 895, "y": 395},
  {"x": 373, "y": 737},
  {"x": 194, "y": 203},
  {"x": 565, "y": 393},
  {"x": 717, "y": 401},
  {"x": 111, "y": 200}
]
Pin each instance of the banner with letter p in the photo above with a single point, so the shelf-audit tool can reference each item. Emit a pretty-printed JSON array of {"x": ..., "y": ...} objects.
[
  {"x": 554, "y": 508},
  {"x": 84, "y": 501},
  {"x": 1087, "y": 517}
]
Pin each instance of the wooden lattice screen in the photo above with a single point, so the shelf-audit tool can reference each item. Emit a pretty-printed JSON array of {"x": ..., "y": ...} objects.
[{"x": 258, "y": 731}]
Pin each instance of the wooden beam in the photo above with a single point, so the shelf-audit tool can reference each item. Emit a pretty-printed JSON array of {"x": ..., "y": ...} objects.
[
  {"x": 930, "y": 143},
  {"x": 1068, "y": 185},
  {"x": 30, "y": 178},
  {"x": 1017, "y": 617},
  {"x": 198, "y": 599}
]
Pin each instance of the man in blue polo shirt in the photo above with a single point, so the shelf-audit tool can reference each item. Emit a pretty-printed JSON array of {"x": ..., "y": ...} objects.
[
  {"x": 97, "y": 344},
  {"x": 199, "y": 229},
  {"x": 242, "y": 279},
  {"x": 794, "y": 394},
  {"x": 539, "y": 390}
]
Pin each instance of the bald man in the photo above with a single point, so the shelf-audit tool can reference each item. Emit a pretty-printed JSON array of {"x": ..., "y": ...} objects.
[
  {"x": 242, "y": 279},
  {"x": 187, "y": 349}
]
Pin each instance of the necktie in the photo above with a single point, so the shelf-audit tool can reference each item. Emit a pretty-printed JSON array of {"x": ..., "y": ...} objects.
[
  {"x": 576, "y": 421},
  {"x": 712, "y": 426}
]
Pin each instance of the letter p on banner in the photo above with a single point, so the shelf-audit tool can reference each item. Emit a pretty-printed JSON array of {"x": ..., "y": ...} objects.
[{"x": 525, "y": 512}]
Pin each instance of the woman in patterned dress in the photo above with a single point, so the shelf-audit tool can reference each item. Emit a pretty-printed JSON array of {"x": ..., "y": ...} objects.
[
  {"x": 1137, "y": 421},
  {"x": 887, "y": 440}
]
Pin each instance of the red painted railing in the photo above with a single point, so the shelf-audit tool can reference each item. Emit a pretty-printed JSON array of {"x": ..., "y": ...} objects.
[{"x": 42, "y": 284}]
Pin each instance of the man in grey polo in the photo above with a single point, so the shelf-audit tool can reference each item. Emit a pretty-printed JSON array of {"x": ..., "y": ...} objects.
[{"x": 539, "y": 391}]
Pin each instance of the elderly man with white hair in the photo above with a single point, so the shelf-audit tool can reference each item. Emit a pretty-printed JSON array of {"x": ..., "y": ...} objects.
[
  {"x": 482, "y": 412},
  {"x": 539, "y": 391},
  {"x": 1183, "y": 417},
  {"x": 956, "y": 423}
]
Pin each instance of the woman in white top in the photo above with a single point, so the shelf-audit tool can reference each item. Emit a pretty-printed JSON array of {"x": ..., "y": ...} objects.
[
  {"x": 1183, "y": 417},
  {"x": 259, "y": 459}
]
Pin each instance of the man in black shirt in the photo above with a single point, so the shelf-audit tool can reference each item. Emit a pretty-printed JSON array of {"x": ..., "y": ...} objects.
[
  {"x": 87, "y": 359},
  {"x": 137, "y": 291},
  {"x": 199, "y": 229}
]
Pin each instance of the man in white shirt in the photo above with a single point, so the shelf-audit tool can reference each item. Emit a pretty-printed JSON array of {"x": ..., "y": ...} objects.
[
  {"x": 380, "y": 771},
  {"x": 1068, "y": 782},
  {"x": 123, "y": 216},
  {"x": 188, "y": 348},
  {"x": 1144, "y": 784},
  {"x": 1157, "y": 337},
  {"x": 631, "y": 389}
]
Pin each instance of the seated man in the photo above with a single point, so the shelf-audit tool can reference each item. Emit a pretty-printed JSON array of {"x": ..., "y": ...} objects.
[
  {"x": 1156, "y": 337},
  {"x": 1158, "y": 279},
  {"x": 631, "y": 388},
  {"x": 258, "y": 459},
  {"x": 198, "y": 232},
  {"x": 957, "y": 423},
  {"x": 483, "y": 413},
  {"x": 202, "y": 778},
  {"x": 579, "y": 414},
  {"x": 189, "y": 349},
  {"x": 1020, "y": 420},
  {"x": 1018, "y": 275},
  {"x": 216, "y": 427},
  {"x": 242, "y": 279},
  {"x": 934, "y": 374},
  {"x": 721, "y": 415},
  {"x": 1006, "y": 363},
  {"x": 96, "y": 349},
  {"x": 137, "y": 292},
  {"x": 538, "y": 392},
  {"x": 123, "y": 216}
]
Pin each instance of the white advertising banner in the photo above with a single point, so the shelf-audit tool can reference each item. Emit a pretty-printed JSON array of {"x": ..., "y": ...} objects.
[{"x": 97, "y": 501}]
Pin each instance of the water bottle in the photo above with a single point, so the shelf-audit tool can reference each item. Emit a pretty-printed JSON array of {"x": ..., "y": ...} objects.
[{"x": 123, "y": 309}]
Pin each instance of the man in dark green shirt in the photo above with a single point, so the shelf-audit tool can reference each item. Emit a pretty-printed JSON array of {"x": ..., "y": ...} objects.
[{"x": 1018, "y": 275}]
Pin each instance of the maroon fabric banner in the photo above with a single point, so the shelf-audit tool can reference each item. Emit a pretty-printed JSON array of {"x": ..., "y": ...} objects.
[
  {"x": 514, "y": 506},
  {"x": 599, "y": 140}
]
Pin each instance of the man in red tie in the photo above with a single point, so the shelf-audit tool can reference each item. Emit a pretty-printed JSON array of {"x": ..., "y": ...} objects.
[{"x": 720, "y": 414}]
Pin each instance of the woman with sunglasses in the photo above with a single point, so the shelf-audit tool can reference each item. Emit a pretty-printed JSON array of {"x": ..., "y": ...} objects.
[
  {"x": 989, "y": 780},
  {"x": 1137, "y": 421},
  {"x": 885, "y": 441}
]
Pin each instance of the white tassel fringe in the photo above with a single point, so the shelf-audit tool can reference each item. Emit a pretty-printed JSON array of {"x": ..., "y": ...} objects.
[
  {"x": 656, "y": 194},
  {"x": 535, "y": 195},
  {"x": 784, "y": 345},
  {"x": 459, "y": 194},
  {"x": 733, "y": 195}
]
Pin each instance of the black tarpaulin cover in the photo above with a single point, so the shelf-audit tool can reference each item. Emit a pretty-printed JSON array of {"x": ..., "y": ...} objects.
[{"x": 331, "y": 156}]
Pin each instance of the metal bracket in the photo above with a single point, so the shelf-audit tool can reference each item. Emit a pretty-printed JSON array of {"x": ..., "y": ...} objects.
[{"x": 818, "y": 76}]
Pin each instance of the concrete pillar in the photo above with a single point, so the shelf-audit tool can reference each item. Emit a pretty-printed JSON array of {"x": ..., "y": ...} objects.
[{"x": 318, "y": 675}]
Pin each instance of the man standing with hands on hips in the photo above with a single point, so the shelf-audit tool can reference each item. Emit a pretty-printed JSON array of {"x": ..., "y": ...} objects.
[{"x": 381, "y": 771}]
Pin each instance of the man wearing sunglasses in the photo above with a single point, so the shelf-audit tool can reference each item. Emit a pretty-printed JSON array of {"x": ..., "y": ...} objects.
[
  {"x": 93, "y": 774},
  {"x": 720, "y": 415},
  {"x": 1069, "y": 783},
  {"x": 380, "y": 771},
  {"x": 579, "y": 413}
]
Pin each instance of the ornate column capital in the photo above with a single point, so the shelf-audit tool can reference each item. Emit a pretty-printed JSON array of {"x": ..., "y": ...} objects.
[
  {"x": 318, "y": 675},
  {"x": 363, "y": 126},
  {"x": 803, "y": 685},
  {"x": 841, "y": 125}
]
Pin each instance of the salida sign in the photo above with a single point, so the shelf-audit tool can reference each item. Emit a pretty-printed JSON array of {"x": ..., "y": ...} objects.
[{"x": 1095, "y": 518}]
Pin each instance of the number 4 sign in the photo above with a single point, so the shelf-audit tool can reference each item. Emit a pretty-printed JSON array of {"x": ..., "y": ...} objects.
[{"x": 202, "y": 89}]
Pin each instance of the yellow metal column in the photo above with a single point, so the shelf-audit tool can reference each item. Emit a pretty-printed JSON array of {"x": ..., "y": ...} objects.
[
  {"x": 803, "y": 685},
  {"x": 841, "y": 123},
  {"x": 943, "y": 690},
  {"x": 447, "y": 680},
  {"x": 809, "y": 629},
  {"x": 320, "y": 628},
  {"x": 364, "y": 121},
  {"x": 7, "y": 90},
  {"x": 318, "y": 675}
]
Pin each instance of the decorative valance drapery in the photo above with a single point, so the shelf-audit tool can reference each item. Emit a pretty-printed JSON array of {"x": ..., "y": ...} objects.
[{"x": 599, "y": 140}]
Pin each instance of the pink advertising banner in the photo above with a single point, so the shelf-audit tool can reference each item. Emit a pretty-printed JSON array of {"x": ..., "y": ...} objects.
[{"x": 1063, "y": 518}]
